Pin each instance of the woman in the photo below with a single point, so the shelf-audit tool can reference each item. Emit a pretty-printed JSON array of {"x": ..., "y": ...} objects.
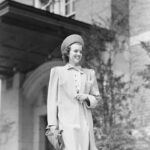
[{"x": 72, "y": 93}]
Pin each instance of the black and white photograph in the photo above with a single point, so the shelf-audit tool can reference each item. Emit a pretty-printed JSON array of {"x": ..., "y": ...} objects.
[{"x": 74, "y": 74}]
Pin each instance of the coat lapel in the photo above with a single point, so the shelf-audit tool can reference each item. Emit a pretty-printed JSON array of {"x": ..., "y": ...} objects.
[{"x": 70, "y": 78}]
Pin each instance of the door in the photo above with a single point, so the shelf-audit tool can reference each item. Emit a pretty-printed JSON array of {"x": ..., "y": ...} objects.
[{"x": 43, "y": 139}]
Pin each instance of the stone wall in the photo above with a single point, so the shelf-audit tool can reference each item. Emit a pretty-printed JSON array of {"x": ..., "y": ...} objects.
[
  {"x": 98, "y": 10},
  {"x": 139, "y": 23},
  {"x": 10, "y": 113},
  {"x": 139, "y": 17}
]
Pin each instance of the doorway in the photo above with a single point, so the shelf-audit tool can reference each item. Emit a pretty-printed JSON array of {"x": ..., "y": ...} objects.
[{"x": 43, "y": 139}]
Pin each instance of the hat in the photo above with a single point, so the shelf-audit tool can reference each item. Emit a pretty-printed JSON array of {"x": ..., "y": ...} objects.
[{"x": 69, "y": 40}]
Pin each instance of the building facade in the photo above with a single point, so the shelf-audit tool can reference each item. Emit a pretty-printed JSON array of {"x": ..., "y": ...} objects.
[{"x": 23, "y": 97}]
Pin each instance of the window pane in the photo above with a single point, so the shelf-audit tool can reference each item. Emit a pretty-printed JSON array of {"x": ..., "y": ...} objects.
[
  {"x": 73, "y": 6},
  {"x": 44, "y": 2},
  {"x": 67, "y": 9},
  {"x": 51, "y": 8},
  {"x": 66, "y": 1}
]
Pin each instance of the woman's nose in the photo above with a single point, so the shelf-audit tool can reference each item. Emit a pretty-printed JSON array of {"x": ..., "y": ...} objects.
[{"x": 79, "y": 53}]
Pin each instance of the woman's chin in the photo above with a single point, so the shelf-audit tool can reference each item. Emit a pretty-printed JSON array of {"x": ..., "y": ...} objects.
[{"x": 77, "y": 63}]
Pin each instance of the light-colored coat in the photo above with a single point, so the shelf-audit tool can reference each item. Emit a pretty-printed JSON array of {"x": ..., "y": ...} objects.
[{"x": 63, "y": 108}]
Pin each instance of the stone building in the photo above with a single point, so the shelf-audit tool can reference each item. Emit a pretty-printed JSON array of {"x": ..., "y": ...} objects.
[{"x": 31, "y": 32}]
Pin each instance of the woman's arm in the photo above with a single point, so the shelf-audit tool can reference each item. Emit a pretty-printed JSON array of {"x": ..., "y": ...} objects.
[
  {"x": 94, "y": 96},
  {"x": 91, "y": 99},
  {"x": 52, "y": 98}
]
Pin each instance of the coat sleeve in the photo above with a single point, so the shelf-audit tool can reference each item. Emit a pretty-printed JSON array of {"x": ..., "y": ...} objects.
[
  {"x": 94, "y": 95},
  {"x": 52, "y": 98}
]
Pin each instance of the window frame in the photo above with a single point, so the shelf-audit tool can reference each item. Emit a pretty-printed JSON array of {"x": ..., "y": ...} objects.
[
  {"x": 62, "y": 7},
  {"x": 70, "y": 3}
]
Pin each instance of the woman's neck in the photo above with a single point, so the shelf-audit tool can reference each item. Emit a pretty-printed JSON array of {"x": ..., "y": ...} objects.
[{"x": 74, "y": 65}]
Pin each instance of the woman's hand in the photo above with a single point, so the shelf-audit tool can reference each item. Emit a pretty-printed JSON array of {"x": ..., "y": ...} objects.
[
  {"x": 82, "y": 97},
  {"x": 55, "y": 137}
]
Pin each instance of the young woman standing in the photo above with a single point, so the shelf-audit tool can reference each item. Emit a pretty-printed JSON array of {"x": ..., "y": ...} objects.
[{"x": 72, "y": 93}]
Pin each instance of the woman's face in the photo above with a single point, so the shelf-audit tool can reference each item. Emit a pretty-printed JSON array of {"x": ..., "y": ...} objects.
[{"x": 75, "y": 54}]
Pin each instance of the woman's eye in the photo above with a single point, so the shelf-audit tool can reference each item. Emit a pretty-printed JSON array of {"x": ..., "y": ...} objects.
[{"x": 77, "y": 51}]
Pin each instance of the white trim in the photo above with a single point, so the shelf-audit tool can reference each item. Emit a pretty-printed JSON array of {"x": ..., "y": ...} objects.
[
  {"x": 70, "y": 14},
  {"x": 137, "y": 39}
]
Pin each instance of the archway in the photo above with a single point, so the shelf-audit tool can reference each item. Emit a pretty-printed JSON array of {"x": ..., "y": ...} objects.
[{"x": 34, "y": 92}]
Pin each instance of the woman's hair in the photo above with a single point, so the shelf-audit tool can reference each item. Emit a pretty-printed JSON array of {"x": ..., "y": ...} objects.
[{"x": 65, "y": 55}]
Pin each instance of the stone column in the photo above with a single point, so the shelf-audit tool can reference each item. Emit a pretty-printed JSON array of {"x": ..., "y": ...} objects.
[{"x": 10, "y": 102}]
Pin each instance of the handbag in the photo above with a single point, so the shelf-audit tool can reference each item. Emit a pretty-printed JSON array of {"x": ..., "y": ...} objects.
[{"x": 55, "y": 138}]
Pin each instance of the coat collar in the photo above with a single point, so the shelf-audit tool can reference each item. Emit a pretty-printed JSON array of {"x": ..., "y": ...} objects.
[{"x": 79, "y": 68}]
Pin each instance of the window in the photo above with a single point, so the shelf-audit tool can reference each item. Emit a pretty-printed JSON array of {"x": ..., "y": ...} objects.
[
  {"x": 61, "y": 7},
  {"x": 69, "y": 8}
]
